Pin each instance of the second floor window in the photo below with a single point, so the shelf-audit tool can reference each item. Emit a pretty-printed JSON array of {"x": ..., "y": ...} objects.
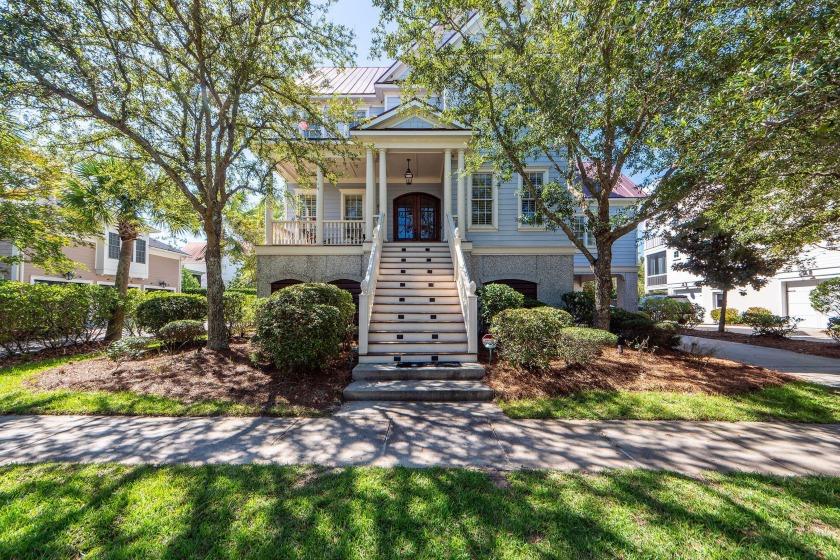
[
  {"x": 580, "y": 227},
  {"x": 306, "y": 207},
  {"x": 358, "y": 118},
  {"x": 656, "y": 264},
  {"x": 353, "y": 207},
  {"x": 482, "y": 199},
  {"x": 529, "y": 203},
  {"x": 113, "y": 245},
  {"x": 140, "y": 251}
]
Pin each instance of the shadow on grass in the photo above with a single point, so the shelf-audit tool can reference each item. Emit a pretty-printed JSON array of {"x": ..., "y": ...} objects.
[{"x": 302, "y": 512}]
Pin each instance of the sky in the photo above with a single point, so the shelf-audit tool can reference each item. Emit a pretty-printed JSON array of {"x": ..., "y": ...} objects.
[{"x": 362, "y": 17}]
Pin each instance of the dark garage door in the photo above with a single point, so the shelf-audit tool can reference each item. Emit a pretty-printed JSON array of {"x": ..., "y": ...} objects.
[{"x": 524, "y": 287}]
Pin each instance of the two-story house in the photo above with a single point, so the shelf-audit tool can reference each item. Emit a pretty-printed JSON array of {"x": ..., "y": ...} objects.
[
  {"x": 154, "y": 265},
  {"x": 412, "y": 233},
  {"x": 787, "y": 293}
]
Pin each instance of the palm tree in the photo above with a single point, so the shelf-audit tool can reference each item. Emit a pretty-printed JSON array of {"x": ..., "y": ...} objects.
[{"x": 118, "y": 194}]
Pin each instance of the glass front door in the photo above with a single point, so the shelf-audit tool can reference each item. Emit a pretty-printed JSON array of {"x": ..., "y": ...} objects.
[{"x": 416, "y": 218}]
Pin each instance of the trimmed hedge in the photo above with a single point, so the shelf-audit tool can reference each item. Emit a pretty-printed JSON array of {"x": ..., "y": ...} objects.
[
  {"x": 669, "y": 309},
  {"x": 733, "y": 316},
  {"x": 53, "y": 315},
  {"x": 298, "y": 337},
  {"x": 181, "y": 332},
  {"x": 757, "y": 311},
  {"x": 161, "y": 309},
  {"x": 203, "y": 291},
  {"x": 495, "y": 298},
  {"x": 581, "y": 305},
  {"x": 312, "y": 293},
  {"x": 530, "y": 338},
  {"x": 580, "y": 345},
  {"x": 636, "y": 328},
  {"x": 605, "y": 339}
]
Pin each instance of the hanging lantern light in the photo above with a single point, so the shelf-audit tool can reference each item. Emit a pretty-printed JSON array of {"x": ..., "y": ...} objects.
[{"x": 409, "y": 176}]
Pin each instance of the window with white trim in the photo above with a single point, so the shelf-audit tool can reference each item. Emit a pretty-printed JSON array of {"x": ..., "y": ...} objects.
[
  {"x": 307, "y": 206},
  {"x": 358, "y": 117},
  {"x": 140, "y": 251},
  {"x": 354, "y": 207},
  {"x": 113, "y": 245},
  {"x": 482, "y": 197},
  {"x": 580, "y": 227},
  {"x": 529, "y": 203}
]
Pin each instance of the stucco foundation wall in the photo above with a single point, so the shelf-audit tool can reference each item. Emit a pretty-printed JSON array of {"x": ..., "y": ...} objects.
[
  {"x": 307, "y": 268},
  {"x": 553, "y": 274}
]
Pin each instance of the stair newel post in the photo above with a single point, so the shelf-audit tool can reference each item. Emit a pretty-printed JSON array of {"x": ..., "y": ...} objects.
[
  {"x": 364, "y": 319},
  {"x": 472, "y": 320}
]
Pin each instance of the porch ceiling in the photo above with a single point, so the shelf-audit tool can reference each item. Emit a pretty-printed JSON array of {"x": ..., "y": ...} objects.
[{"x": 426, "y": 165}]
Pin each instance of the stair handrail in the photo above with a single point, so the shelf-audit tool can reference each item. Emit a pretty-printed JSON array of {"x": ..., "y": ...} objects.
[
  {"x": 466, "y": 287},
  {"x": 369, "y": 286}
]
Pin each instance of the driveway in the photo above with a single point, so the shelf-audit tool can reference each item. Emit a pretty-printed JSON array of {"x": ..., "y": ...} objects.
[{"x": 816, "y": 369}]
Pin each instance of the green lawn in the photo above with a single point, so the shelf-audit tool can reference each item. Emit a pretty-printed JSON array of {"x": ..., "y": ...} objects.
[
  {"x": 17, "y": 398},
  {"x": 792, "y": 402},
  {"x": 107, "y": 511}
]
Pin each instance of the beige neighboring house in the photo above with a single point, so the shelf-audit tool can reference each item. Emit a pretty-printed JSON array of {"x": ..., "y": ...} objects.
[
  {"x": 154, "y": 264},
  {"x": 196, "y": 263}
]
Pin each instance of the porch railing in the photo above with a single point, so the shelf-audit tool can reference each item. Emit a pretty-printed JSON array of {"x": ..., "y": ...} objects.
[
  {"x": 657, "y": 280},
  {"x": 305, "y": 232},
  {"x": 369, "y": 287},
  {"x": 466, "y": 287}
]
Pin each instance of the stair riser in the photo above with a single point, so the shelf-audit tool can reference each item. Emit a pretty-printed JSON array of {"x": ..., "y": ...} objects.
[
  {"x": 387, "y": 288},
  {"x": 416, "y": 300},
  {"x": 416, "y": 259},
  {"x": 417, "y": 337},
  {"x": 418, "y": 318},
  {"x": 420, "y": 374},
  {"x": 412, "y": 348},
  {"x": 403, "y": 308},
  {"x": 424, "y": 358},
  {"x": 420, "y": 396},
  {"x": 407, "y": 326},
  {"x": 385, "y": 268}
]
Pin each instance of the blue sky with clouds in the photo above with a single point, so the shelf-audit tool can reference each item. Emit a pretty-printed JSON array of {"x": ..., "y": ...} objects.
[{"x": 362, "y": 17}]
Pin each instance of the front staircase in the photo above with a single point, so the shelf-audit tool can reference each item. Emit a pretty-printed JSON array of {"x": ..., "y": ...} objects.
[{"x": 417, "y": 346}]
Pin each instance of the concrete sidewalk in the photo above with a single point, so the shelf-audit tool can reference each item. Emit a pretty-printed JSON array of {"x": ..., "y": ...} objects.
[
  {"x": 816, "y": 369},
  {"x": 424, "y": 435}
]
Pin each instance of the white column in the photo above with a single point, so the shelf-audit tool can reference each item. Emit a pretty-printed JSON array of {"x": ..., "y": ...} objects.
[
  {"x": 269, "y": 227},
  {"x": 462, "y": 196},
  {"x": 447, "y": 184},
  {"x": 370, "y": 195},
  {"x": 319, "y": 208},
  {"x": 383, "y": 194}
]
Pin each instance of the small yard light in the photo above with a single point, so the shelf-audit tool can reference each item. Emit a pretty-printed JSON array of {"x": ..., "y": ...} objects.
[{"x": 409, "y": 176}]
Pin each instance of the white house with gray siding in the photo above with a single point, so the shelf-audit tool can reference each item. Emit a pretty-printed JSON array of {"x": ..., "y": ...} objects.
[{"x": 414, "y": 250}]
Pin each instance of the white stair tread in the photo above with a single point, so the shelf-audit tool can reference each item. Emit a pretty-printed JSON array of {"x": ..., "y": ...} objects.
[{"x": 424, "y": 390}]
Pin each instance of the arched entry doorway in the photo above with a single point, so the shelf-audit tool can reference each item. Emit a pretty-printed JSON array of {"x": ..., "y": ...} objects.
[{"x": 417, "y": 217}]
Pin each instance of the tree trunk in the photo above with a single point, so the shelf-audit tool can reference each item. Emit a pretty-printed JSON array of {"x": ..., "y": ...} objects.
[
  {"x": 217, "y": 336},
  {"x": 115, "y": 324},
  {"x": 603, "y": 291},
  {"x": 722, "y": 319}
]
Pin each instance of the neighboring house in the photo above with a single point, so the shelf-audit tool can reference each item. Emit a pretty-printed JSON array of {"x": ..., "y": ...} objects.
[
  {"x": 787, "y": 293},
  {"x": 409, "y": 182},
  {"x": 196, "y": 264},
  {"x": 154, "y": 265}
]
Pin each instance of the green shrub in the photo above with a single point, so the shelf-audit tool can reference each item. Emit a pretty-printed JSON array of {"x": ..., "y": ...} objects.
[
  {"x": 833, "y": 329},
  {"x": 163, "y": 308},
  {"x": 203, "y": 291},
  {"x": 239, "y": 312},
  {"x": 310, "y": 293},
  {"x": 495, "y": 298},
  {"x": 133, "y": 299},
  {"x": 580, "y": 345},
  {"x": 530, "y": 337},
  {"x": 635, "y": 328},
  {"x": 733, "y": 316},
  {"x": 825, "y": 298},
  {"x": 771, "y": 325},
  {"x": 581, "y": 305},
  {"x": 127, "y": 348},
  {"x": 669, "y": 309},
  {"x": 530, "y": 303},
  {"x": 178, "y": 333},
  {"x": 665, "y": 335},
  {"x": 298, "y": 336},
  {"x": 20, "y": 318},
  {"x": 757, "y": 311}
]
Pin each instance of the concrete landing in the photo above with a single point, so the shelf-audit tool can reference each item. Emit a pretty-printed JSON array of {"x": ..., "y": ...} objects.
[
  {"x": 389, "y": 372},
  {"x": 419, "y": 390}
]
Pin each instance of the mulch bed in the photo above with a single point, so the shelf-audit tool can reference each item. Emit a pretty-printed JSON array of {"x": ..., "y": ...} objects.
[
  {"x": 49, "y": 353},
  {"x": 198, "y": 374},
  {"x": 826, "y": 349},
  {"x": 664, "y": 371}
]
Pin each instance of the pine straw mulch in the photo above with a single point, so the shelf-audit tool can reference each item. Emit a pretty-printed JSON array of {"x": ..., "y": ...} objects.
[
  {"x": 50, "y": 353},
  {"x": 196, "y": 374},
  {"x": 825, "y": 349},
  {"x": 670, "y": 370}
]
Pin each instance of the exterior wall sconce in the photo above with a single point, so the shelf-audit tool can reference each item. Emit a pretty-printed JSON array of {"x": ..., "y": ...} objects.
[{"x": 409, "y": 176}]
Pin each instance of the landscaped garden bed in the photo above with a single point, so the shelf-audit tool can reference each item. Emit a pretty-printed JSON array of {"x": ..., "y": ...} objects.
[
  {"x": 665, "y": 385},
  {"x": 262, "y": 511},
  {"x": 825, "y": 349}
]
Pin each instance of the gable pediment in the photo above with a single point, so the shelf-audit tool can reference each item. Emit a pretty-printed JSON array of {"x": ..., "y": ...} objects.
[{"x": 412, "y": 115}]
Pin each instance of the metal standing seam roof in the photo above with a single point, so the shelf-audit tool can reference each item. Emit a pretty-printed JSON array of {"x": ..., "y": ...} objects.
[{"x": 346, "y": 81}]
